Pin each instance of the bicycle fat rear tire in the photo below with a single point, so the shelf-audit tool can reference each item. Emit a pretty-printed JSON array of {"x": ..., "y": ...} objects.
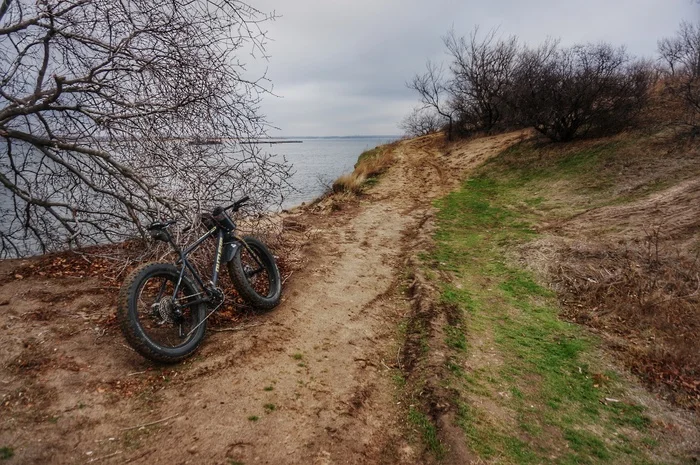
[
  {"x": 144, "y": 313},
  {"x": 260, "y": 286}
]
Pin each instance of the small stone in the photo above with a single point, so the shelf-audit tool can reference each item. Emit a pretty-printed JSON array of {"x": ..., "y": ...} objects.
[{"x": 192, "y": 450}]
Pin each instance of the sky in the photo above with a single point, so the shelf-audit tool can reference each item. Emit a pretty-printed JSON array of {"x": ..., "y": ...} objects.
[{"x": 340, "y": 67}]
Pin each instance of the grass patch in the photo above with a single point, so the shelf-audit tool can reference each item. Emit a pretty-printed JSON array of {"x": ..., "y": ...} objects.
[
  {"x": 253, "y": 418},
  {"x": 427, "y": 430},
  {"x": 546, "y": 396},
  {"x": 455, "y": 338},
  {"x": 398, "y": 378},
  {"x": 6, "y": 453},
  {"x": 269, "y": 408}
]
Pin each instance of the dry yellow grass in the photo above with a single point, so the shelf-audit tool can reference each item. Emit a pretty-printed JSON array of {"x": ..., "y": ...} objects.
[
  {"x": 349, "y": 183},
  {"x": 369, "y": 166}
]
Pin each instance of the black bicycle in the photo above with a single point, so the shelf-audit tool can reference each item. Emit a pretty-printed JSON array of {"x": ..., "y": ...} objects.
[{"x": 163, "y": 307}]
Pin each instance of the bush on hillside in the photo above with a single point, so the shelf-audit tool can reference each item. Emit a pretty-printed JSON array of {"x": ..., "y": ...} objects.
[
  {"x": 421, "y": 122},
  {"x": 482, "y": 76},
  {"x": 681, "y": 57},
  {"x": 566, "y": 92}
]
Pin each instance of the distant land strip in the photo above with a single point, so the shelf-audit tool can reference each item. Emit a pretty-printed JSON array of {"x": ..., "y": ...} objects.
[{"x": 263, "y": 141}]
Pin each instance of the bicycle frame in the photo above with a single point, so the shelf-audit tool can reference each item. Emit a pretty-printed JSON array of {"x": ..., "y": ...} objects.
[{"x": 219, "y": 232}]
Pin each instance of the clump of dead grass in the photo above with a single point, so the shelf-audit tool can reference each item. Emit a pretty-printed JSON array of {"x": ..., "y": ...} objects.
[
  {"x": 370, "y": 165},
  {"x": 350, "y": 183},
  {"x": 649, "y": 295}
]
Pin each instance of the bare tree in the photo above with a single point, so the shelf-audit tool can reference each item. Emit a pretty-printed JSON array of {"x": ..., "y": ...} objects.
[
  {"x": 681, "y": 54},
  {"x": 421, "y": 122},
  {"x": 564, "y": 93},
  {"x": 482, "y": 70},
  {"x": 435, "y": 92},
  {"x": 99, "y": 104}
]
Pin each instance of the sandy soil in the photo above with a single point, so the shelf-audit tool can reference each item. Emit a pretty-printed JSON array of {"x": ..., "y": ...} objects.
[{"x": 306, "y": 383}]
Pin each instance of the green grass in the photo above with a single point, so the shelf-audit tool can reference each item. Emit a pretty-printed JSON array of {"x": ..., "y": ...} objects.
[
  {"x": 368, "y": 155},
  {"x": 398, "y": 378},
  {"x": 455, "y": 338},
  {"x": 297, "y": 356},
  {"x": 6, "y": 453},
  {"x": 268, "y": 388},
  {"x": 270, "y": 408},
  {"x": 547, "y": 384},
  {"x": 428, "y": 431},
  {"x": 253, "y": 418}
]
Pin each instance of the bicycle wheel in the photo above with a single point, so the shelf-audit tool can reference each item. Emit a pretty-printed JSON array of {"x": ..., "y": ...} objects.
[
  {"x": 155, "y": 321},
  {"x": 255, "y": 275}
]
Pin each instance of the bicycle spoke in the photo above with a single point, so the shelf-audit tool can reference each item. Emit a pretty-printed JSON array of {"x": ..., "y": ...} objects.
[{"x": 157, "y": 312}]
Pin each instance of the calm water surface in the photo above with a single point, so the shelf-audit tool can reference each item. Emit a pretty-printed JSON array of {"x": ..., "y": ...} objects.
[
  {"x": 319, "y": 161},
  {"x": 316, "y": 162}
]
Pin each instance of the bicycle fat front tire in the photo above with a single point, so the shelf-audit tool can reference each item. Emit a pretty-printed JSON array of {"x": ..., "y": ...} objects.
[
  {"x": 258, "y": 281},
  {"x": 148, "y": 319}
]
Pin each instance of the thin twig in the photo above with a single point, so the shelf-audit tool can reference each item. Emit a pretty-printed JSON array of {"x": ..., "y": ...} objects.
[
  {"x": 152, "y": 423},
  {"x": 288, "y": 276},
  {"x": 126, "y": 346},
  {"x": 236, "y": 328},
  {"x": 104, "y": 457},
  {"x": 136, "y": 373}
]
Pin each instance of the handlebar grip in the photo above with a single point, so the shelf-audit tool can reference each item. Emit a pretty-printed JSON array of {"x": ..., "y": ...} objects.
[
  {"x": 235, "y": 205},
  {"x": 239, "y": 203}
]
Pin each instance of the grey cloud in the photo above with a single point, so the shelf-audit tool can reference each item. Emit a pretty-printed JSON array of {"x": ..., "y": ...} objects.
[{"x": 341, "y": 66}]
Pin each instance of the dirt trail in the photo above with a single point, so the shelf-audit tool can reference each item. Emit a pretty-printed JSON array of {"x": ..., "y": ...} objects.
[{"x": 306, "y": 383}]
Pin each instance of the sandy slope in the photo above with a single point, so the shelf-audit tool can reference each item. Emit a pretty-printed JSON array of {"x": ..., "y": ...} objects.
[{"x": 315, "y": 371}]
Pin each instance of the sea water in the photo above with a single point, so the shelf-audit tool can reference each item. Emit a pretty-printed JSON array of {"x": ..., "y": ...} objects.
[
  {"x": 315, "y": 162},
  {"x": 319, "y": 161}
]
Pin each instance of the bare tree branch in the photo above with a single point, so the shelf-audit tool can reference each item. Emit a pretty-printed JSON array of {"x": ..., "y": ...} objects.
[
  {"x": 103, "y": 106},
  {"x": 681, "y": 54}
]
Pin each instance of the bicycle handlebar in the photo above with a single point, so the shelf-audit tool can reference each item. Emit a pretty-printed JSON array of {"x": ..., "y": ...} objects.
[
  {"x": 217, "y": 211},
  {"x": 235, "y": 205},
  {"x": 160, "y": 225}
]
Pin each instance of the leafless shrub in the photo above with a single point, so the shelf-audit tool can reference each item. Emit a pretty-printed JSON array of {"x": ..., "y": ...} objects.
[
  {"x": 421, "y": 122},
  {"x": 681, "y": 56},
  {"x": 563, "y": 93},
  {"x": 482, "y": 72},
  {"x": 567, "y": 92},
  {"x": 99, "y": 105},
  {"x": 435, "y": 93}
]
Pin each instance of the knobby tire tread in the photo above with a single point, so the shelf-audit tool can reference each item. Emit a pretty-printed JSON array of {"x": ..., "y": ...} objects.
[
  {"x": 240, "y": 281},
  {"x": 129, "y": 327}
]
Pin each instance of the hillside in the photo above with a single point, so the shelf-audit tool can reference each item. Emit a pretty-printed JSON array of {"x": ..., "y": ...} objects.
[
  {"x": 604, "y": 233},
  {"x": 426, "y": 319}
]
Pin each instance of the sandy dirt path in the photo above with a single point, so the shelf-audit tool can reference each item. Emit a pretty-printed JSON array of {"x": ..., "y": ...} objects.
[{"x": 309, "y": 382}]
